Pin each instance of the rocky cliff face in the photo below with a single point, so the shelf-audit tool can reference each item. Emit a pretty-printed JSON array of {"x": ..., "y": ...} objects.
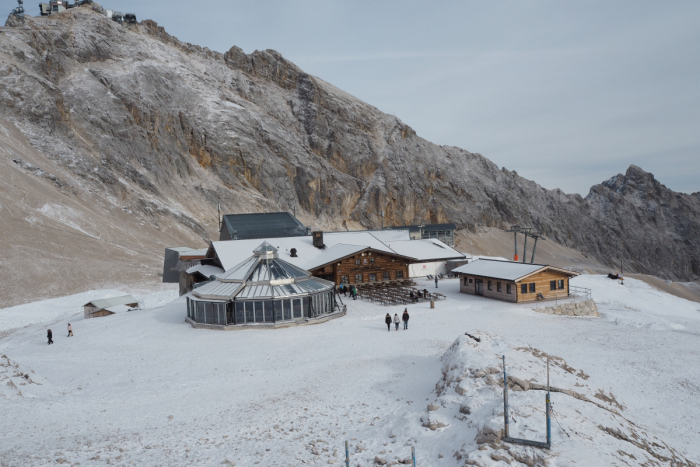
[{"x": 159, "y": 131}]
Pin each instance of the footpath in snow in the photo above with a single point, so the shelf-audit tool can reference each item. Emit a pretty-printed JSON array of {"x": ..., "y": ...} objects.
[{"x": 144, "y": 388}]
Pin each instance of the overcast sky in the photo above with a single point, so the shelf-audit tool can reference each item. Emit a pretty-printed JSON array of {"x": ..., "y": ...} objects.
[{"x": 565, "y": 93}]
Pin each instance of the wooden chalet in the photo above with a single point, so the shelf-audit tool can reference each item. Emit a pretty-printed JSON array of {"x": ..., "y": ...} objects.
[
  {"x": 513, "y": 281},
  {"x": 350, "y": 264}
]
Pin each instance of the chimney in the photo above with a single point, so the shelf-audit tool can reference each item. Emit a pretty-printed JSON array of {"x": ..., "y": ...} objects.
[
  {"x": 318, "y": 240},
  {"x": 293, "y": 252}
]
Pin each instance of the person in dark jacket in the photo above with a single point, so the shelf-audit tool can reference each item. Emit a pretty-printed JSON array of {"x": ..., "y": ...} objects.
[
  {"x": 49, "y": 334},
  {"x": 387, "y": 320},
  {"x": 70, "y": 330},
  {"x": 436, "y": 279},
  {"x": 405, "y": 318}
]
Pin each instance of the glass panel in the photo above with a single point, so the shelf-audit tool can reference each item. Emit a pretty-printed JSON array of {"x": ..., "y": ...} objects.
[
  {"x": 386, "y": 275},
  {"x": 249, "y": 312},
  {"x": 552, "y": 285},
  {"x": 259, "y": 317},
  {"x": 507, "y": 288},
  {"x": 288, "y": 309},
  {"x": 268, "y": 311},
  {"x": 532, "y": 287},
  {"x": 358, "y": 278},
  {"x": 561, "y": 284},
  {"x": 278, "y": 309},
  {"x": 306, "y": 307},
  {"x": 240, "y": 312},
  {"x": 372, "y": 277},
  {"x": 399, "y": 274},
  {"x": 209, "y": 313},
  {"x": 229, "y": 313},
  {"x": 297, "y": 308},
  {"x": 345, "y": 279},
  {"x": 523, "y": 288}
]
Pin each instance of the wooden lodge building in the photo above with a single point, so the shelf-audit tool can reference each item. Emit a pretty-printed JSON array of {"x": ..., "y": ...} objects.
[{"x": 513, "y": 281}]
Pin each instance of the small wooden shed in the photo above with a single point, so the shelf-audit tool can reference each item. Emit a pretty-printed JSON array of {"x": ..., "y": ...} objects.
[
  {"x": 109, "y": 306},
  {"x": 513, "y": 281}
]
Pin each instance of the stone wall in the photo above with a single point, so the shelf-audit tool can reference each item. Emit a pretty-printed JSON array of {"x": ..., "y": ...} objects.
[{"x": 584, "y": 308}]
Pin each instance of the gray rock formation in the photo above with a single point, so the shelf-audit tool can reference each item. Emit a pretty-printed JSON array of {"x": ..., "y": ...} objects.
[{"x": 136, "y": 121}]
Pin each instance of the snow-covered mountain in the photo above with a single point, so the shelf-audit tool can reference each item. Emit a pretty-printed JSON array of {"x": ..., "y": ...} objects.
[{"x": 118, "y": 141}]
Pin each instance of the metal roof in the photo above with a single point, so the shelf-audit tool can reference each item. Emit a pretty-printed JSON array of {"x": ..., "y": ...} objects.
[
  {"x": 414, "y": 228},
  {"x": 262, "y": 275},
  {"x": 206, "y": 270},
  {"x": 506, "y": 270},
  {"x": 428, "y": 249},
  {"x": 262, "y": 225},
  {"x": 114, "y": 301}
]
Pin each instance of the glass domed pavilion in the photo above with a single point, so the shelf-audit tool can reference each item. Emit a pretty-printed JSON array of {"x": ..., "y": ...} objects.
[{"x": 263, "y": 289}]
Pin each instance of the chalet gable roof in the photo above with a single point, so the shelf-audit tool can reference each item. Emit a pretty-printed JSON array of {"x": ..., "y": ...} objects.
[{"x": 507, "y": 270}]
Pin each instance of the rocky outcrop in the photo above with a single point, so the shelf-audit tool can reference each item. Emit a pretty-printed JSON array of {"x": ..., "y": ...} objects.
[
  {"x": 166, "y": 130},
  {"x": 583, "y": 308}
]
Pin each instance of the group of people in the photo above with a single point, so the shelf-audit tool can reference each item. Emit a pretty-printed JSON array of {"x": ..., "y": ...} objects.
[
  {"x": 418, "y": 295},
  {"x": 49, "y": 334},
  {"x": 388, "y": 320},
  {"x": 344, "y": 289}
]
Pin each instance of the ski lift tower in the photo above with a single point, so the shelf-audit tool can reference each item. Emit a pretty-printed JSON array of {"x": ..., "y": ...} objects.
[{"x": 19, "y": 11}]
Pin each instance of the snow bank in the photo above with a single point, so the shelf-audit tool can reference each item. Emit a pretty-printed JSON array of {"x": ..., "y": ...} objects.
[{"x": 589, "y": 425}]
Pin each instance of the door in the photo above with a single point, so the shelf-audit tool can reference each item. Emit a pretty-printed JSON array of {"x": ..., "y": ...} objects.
[{"x": 479, "y": 286}]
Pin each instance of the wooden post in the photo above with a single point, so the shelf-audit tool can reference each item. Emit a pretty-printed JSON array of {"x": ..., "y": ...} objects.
[
  {"x": 413, "y": 455},
  {"x": 432, "y": 303}
]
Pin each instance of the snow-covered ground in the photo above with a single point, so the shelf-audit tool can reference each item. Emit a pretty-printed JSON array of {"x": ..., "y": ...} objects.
[{"x": 144, "y": 388}]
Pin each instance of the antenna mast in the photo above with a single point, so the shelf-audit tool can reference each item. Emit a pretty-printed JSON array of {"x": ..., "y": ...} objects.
[{"x": 19, "y": 11}]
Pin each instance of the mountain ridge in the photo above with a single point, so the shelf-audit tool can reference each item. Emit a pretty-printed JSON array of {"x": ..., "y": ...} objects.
[{"x": 135, "y": 121}]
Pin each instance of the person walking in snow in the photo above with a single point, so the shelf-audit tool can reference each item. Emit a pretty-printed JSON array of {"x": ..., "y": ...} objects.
[
  {"x": 436, "y": 279},
  {"x": 49, "y": 334},
  {"x": 70, "y": 330},
  {"x": 345, "y": 290},
  {"x": 396, "y": 321},
  {"x": 387, "y": 320},
  {"x": 405, "y": 318},
  {"x": 353, "y": 292}
]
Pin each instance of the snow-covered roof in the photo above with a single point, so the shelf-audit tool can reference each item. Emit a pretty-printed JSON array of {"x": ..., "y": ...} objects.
[
  {"x": 429, "y": 249},
  {"x": 110, "y": 302},
  {"x": 119, "y": 308},
  {"x": 333, "y": 254},
  {"x": 230, "y": 252},
  {"x": 506, "y": 270},
  {"x": 206, "y": 270},
  {"x": 391, "y": 235},
  {"x": 200, "y": 252}
]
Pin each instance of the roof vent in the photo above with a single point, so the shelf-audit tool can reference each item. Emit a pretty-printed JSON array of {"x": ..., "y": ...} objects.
[
  {"x": 293, "y": 252},
  {"x": 318, "y": 240}
]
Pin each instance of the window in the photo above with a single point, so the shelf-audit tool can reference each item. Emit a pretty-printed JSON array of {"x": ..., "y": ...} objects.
[
  {"x": 357, "y": 261},
  {"x": 532, "y": 287},
  {"x": 268, "y": 311},
  {"x": 305, "y": 307},
  {"x": 523, "y": 288},
  {"x": 507, "y": 288},
  {"x": 358, "y": 278},
  {"x": 386, "y": 276},
  {"x": 371, "y": 260},
  {"x": 288, "y": 309},
  {"x": 345, "y": 279},
  {"x": 297, "y": 309},
  {"x": 490, "y": 288},
  {"x": 209, "y": 312},
  {"x": 240, "y": 312},
  {"x": 471, "y": 280},
  {"x": 561, "y": 284},
  {"x": 466, "y": 280},
  {"x": 259, "y": 317},
  {"x": 249, "y": 312},
  {"x": 552, "y": 285},
  {"x": 399, "y": 274},
  {"x": 278, "y": 310},
  {"x": 372, "y": 277},
  {"x": 498, "y": 286}
]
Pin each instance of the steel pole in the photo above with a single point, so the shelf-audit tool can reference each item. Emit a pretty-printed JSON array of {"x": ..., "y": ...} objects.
[
  {"x": 347, "y": 455},
  {"x": 505, "y": 399},
  {"x": 549, "y": 409},
  {"x": 534, "y": 247},
  {"x": 515, "y": 238},
  {"x": 525, "y": 248}
]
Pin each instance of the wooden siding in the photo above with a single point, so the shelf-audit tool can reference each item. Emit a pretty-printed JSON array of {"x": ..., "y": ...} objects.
[
  {"x": 371, "y": 262},
  {"x": 541, "y": 281},
  {"x": 470, "y": 287}
]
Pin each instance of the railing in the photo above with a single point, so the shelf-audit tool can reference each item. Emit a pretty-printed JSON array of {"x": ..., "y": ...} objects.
[{"x": 581, "y": 292}]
